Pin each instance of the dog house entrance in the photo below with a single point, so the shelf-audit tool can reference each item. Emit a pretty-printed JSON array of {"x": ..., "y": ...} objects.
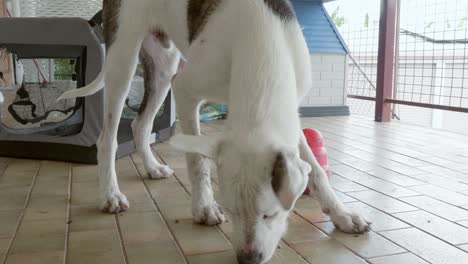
[{"x": 31, "y": 104}]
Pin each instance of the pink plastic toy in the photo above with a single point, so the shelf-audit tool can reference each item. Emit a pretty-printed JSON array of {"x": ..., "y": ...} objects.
[{"x": 315, "y": 142}]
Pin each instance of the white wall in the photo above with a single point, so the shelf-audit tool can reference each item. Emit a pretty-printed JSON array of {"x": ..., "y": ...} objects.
[{"x": 328, "y": 80}]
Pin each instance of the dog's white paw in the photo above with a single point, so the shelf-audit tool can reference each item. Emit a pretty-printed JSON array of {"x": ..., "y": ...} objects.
[
  {"x": 159, "y": 171},
  {"x": 350, "y": 222},
  {"x": 208, "y": 215},
  {"x": 114, "y": 203}
]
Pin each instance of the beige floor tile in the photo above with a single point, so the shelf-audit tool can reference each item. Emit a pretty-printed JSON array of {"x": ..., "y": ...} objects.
[
  {"x": 96, "y": 257},
  {"x": 34, "y": 244},
  {"x": 8, "y": 222},
  {"x": 4, "y": 244},
  {"x": 96, "y": 246},
  {"x": 47, "y": 207},
  {"x": 368, "y": 245},
  {"x": 442, "y": 194},
  {"x": 88, "y": 218},
  {"x": 327, "y": 251},
  {"x": 358, "y": 164},
  {"x": 301, "y": 231},
  {"x": 52, "y": 171},
  {"x": 182, "y": 176},
  {"x": 197, "y": 239},
  {"x": 84, "y": 173},
  {"x": 426, "y": 247},
  {"x": 309, "y": 208},
  {"x": 395, "y": 177},
  {"x": 387, "y": 188},
  {"x": 443, "y": 182},
  {"x": 406, "y": 258},
  {"x": 143, "y": 228},
  {"x": 285, "y": 254},
  {"x": 84, "y": 193},
  {"x": 50, "y": 188},
  {"x": 225, "y": 257},
  {"x": 155, "y": 252},
  {"x": 48, "y": 257},
  {"x": 13, "y": 197},
  {"x": 344, "y": 198},
  {"x": 463, "y": 223},
  {"x": 464, "y": 247},
  {"x": 380, "y": 220},
  {"x": 439, "y": 227},
  {"x": 382, "y": 202},
  {"x": 344, "y": 185},
  {"x": 42, "y": 227},
  {"x": 351, "y": 173},
  {"x": 20, "y": 172},
  {"x": 438, "y": 208},
  {"x": 146, "y": 238}
]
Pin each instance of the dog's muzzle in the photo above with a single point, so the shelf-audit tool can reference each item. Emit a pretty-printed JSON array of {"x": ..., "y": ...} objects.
[{"x": 252, "y": 257}]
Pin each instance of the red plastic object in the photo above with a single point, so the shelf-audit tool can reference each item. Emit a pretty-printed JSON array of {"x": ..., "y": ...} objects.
[{"x": 316, "y": 144}]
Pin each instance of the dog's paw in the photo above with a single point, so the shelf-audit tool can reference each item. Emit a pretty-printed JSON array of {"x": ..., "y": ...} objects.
[
  {"x": 159, "y": 171},
  {"x": 350, "y": 222},
  {"x": 114, "y": 203},
  {"x": 208, "y": 215}
]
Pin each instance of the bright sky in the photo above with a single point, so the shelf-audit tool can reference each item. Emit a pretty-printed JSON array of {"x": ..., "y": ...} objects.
[{"x": 416, "y": 15}]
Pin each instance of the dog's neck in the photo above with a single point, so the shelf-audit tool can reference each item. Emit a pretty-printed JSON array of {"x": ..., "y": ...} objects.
[{"x": 268, "y": 111}]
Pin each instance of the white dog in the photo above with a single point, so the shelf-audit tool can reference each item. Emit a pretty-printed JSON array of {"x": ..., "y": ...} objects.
[{"x": 250, "y": 54}]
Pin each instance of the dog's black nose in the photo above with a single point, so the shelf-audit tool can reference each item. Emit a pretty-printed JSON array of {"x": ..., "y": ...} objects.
[{"x": 253, "y": 257}]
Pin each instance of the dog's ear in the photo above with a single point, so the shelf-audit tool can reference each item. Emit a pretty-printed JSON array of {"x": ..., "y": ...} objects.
[
  {"x": 289, "y": 178},
  {"x": 204, "y": 145}
]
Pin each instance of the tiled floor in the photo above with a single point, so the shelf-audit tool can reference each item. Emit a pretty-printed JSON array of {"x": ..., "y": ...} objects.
[{"x": 411, "y": 182}]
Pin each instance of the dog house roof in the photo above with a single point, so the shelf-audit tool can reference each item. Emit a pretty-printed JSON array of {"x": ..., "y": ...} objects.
[{"x": 319, "y": 30}]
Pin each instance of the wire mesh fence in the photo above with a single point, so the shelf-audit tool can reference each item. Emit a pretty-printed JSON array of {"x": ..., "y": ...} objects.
[
  {"x": 432, "y": 59},
  {"x": 361, "y": 34},
  {"x": 431, "y": 62}
]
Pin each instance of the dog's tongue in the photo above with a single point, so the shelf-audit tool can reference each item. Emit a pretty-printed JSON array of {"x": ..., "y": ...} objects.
[{"x": 248, "y": 248}]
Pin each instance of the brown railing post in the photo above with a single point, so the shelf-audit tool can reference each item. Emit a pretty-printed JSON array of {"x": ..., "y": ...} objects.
[
  {"x": 386, "y": 55},
  {"x": 2, "y": 8}
]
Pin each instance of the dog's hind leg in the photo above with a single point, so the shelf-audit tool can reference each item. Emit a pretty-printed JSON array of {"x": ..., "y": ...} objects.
[
  {"x": 343, "y": 218},
  {"x": 121, "y": 63},
  {"x": 160, "y": 59}
]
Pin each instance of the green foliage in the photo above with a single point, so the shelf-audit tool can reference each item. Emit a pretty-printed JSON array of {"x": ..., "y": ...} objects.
[
  {"x": 462, "y": 23},
  {"x": 64, "y": 69},
  {"x": 337, "y": 18},
  {"x": 366, "y": 20}
]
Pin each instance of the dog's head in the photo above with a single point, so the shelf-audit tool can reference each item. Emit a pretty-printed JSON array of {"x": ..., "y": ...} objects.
[{"x": 260, "y": 184}]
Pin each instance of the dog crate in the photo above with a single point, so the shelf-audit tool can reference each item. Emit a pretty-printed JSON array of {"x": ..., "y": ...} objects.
[{"x": 43, "y": 58}]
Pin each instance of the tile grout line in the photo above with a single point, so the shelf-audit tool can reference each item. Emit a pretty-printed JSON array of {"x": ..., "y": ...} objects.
[
  {"x": 357, "y": 254},
  {"x": 121, "y": 240},
  {"x": 69, "y": 220},
  {"x": 20, "y": 220},
  {"x": 418, "y": 255},
  {"x": 158, "y": 210}
]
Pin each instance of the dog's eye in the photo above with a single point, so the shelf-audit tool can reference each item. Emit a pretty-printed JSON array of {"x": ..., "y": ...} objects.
[{"x": 267, "y": 217}]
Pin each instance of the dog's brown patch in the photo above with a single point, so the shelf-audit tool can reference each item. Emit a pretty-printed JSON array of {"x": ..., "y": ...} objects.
[
  {"x": 198, "y": 13},
  {"x": 110, "y": 13},
  {"x": 281, "y": 8}
]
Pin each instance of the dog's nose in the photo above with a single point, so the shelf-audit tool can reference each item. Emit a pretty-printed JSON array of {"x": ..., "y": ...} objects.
[{"x": 252, "y": 257}]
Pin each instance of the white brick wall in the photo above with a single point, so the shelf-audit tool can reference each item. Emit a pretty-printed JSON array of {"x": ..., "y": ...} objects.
[{"x": 328, "y": 80}]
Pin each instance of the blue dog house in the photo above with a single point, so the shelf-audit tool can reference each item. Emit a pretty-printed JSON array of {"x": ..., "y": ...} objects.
[{"x": 328, "y": 54}]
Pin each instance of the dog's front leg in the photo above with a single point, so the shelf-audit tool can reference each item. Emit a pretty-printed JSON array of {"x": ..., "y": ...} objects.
[
  {"x": 343, "y": 218},
  {"x": 204, "y": 207}
]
